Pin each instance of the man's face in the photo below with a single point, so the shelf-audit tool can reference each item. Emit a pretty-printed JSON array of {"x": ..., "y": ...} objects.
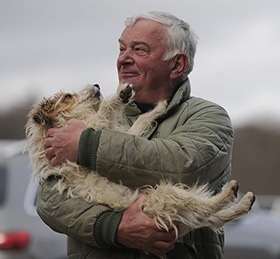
[{"x": 140, "y": 61}]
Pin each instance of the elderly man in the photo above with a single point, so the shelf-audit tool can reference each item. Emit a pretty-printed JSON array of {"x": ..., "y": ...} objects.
[{"x": 191, "y": 142}]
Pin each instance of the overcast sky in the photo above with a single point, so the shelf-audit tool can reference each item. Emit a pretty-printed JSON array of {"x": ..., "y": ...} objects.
[{"x": 48, "y": 45}]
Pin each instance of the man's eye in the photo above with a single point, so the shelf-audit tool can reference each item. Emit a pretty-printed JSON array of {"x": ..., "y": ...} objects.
[
  {"x": 122, "y": 49},
  {"x": 140, "y": 51}
]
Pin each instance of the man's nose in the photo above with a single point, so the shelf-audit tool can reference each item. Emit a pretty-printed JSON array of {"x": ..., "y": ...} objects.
[{"x": 125, "y": 57}]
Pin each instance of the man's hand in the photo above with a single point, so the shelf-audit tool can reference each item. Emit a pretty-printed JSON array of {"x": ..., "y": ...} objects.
[
  {"x": 137, "y": 230},
  {"x": 62, "y": 144}
]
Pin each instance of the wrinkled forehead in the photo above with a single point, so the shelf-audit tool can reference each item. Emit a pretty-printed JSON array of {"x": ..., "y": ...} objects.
[{"x": 144, "y": 31}]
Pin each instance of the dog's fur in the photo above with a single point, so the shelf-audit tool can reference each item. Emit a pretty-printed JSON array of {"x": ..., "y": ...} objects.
[{"x": 193, "y": 208}]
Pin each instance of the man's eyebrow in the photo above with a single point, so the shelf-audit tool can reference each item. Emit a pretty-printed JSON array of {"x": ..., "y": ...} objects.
[
  {"x": 140, "y": 42},
  {"x": 134, "y": 43}
]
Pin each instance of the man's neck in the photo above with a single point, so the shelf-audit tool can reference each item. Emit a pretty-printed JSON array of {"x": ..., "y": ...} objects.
[{"x": 145, "y": 107}]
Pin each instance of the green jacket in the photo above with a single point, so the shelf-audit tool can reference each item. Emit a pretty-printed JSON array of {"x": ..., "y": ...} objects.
[{"x": 191, "y": 142}]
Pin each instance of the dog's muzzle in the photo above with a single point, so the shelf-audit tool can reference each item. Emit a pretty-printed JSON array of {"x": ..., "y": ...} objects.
[{"x": 94, "y": 92}]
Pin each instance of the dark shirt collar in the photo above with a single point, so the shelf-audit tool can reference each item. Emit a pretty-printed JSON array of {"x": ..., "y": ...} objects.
[{"x": 145, "y": 107}]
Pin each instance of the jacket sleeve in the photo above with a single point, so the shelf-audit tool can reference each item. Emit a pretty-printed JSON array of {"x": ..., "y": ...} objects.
[
  {"x": 192, "y": 145},
  {"x": 94, "y": 224}
]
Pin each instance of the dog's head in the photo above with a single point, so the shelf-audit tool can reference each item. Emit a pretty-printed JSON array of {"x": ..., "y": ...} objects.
[{"x": 56, "y": 110}]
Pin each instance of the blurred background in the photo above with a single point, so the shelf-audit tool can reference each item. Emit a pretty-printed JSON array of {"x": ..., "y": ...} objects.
[{"x": 47, "y": 46}]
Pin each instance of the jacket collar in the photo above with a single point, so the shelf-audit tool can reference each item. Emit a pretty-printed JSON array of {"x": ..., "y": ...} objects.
[{"x": 181, "y": 95}]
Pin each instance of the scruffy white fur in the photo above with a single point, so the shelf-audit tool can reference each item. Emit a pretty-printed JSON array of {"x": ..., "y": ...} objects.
[{"x": 194, "y": 207}]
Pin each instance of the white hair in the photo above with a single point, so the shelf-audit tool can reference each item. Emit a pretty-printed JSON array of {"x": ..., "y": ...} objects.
[{"x": 179, "y": 37}]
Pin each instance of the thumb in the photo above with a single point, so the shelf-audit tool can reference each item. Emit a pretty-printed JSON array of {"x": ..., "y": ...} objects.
[
  {"x": 76, "y": 124},
  {"x": 141, "y": 200},
  {"x": 72, "y": 121}
]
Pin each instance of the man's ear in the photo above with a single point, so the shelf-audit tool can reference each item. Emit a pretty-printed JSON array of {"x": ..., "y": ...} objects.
[{"x": 179, "y": 65}]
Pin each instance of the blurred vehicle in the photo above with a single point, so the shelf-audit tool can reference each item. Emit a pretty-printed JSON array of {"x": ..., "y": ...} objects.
[
  {"x": 22, "y": 233},
  {"x": 257, "y": 235}
]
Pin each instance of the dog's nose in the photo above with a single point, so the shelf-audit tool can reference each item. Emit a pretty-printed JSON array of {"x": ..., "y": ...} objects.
[{"x": 97, "y": 86}]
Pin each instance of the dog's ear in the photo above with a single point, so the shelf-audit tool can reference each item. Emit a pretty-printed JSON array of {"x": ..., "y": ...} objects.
[
  {"x": 43, "y": 113},
  {"x": 42, "y": 119}
]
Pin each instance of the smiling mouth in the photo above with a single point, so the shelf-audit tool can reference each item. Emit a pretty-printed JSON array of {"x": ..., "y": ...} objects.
[{"x": 128, "y": 74}]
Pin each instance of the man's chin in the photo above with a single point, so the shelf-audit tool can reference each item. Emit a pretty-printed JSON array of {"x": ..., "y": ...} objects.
[{"x": 130, "y": 82}]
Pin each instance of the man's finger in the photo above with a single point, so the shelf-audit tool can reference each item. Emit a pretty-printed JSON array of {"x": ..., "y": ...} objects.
[
  {"x": 49, "y": 153},
  {"x": 54, "y": 161},
  {"x": 47, "y": 143},
  {"x": 50, "y": 133},
  {"x": 167, "y": 237},
  {"x": 160, "y": 248}
]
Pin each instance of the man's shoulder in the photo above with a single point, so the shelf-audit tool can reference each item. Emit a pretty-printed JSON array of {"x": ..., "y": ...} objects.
[
  {"x": 199, "y": 110},
  {"x": 196, "y": 104},
  {"x": 201, "y": 101}
]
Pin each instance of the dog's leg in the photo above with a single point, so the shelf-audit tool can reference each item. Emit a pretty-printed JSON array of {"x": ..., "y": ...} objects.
[
  {"x": 235, "y": 212},
  {"x": 226, "y": 197},
  {"x": 178, "y": 203},
  {"x": 146, "y": 120},
  {"x": 220, "y": 218},
  {"x": 212, "y": 204},
  {"x": 190, "y": 206},
  {"x": 112, "y": 107}
]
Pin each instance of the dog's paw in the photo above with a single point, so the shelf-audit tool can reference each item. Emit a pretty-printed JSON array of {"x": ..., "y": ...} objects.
[
  {"x": 126, "y": 93},
  {"x": 234, "y": 187},
  {"x": 162, "y": 105},
  {"x": 248, "y": 201},
  {"x": 158, "y": 110}
]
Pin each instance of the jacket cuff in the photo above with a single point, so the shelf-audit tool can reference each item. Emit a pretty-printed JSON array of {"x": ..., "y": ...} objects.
[
  {"x": 106, "y": 227},
  {"x": 88, "y": 145}
]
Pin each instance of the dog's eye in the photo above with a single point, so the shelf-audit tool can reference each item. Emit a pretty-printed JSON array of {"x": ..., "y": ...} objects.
[{"x": 68, "y": 96}]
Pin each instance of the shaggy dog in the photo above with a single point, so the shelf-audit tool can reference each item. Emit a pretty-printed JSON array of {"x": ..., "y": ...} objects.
[{"x": 193, "y": 208}]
